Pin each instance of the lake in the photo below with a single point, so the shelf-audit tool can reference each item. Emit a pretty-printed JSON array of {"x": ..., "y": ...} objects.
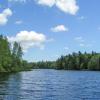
[{"x": 48, "y": 84}]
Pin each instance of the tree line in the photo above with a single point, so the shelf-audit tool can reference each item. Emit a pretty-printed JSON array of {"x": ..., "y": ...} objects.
[
  {"x": 11, "y": 56},
  {"x": 74, "y": 61},
  {"x": 11, "y": 59}
]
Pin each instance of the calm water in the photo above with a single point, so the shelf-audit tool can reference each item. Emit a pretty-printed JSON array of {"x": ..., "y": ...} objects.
[{"x": 50, "y": 85}]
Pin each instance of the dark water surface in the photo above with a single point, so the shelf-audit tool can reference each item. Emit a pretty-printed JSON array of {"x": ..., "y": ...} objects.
[{"x": 50, "y": 85}]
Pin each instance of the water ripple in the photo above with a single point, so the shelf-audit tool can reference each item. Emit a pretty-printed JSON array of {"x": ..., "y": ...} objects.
[{"x": 50, "y": 85}]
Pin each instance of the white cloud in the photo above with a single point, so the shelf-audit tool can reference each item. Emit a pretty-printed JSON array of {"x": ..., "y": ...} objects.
[
  {"x": 49, "y": 3},
  {"x": 4, "y": 16},
  {"x": 67, "y": 6},
  {"x": 18, "y": 22},
  {"x": 29, "y": 39},
  {"x": 59, "y": 28}
]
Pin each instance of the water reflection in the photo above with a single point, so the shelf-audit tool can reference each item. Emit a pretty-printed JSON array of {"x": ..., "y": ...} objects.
[
  {"x": 50, "y": 85},
  {"x": 10, "y": 86},
  {"x": 3, "y": 85}
]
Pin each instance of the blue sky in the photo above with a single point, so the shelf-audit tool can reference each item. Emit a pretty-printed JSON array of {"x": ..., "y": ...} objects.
[{"x": 48, "y": 29}]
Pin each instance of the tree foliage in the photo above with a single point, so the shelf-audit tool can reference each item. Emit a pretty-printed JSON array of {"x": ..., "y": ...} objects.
[
  {"x": 10, "y": 58},
  {"x": 74, "y": 61},
  {"x": 79, "y": 61}
]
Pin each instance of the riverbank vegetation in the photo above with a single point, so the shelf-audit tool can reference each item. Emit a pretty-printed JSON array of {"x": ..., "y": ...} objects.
[
  {"x": 74, "y": 61},
  {"x": 11, "y": 56},
  {"x": 11, "y": 60}
]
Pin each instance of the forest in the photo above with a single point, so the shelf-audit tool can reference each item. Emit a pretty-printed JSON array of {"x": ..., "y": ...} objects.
[
  {"x": 74, "y": 61},
  {"x": 11, "y": 59},
  {"x": 11, "y": 56}
]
